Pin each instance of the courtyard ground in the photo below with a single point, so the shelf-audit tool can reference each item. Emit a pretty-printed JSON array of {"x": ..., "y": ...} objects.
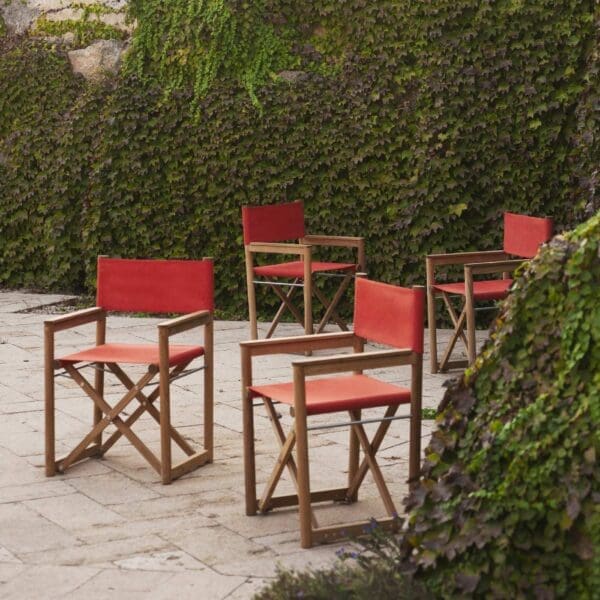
[{"x": 108, "y": 528}]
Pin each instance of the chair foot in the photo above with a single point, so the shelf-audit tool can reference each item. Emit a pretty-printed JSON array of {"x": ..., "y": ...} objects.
[{"x": 94, "y": 451}]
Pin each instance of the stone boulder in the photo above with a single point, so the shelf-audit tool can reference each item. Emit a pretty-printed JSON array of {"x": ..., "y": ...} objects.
[
  {"x": 97, "y": 60},
  {"x": 18, "y": 16}
]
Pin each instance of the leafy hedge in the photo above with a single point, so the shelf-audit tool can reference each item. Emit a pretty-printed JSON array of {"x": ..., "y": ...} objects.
[
  {"x": 508, "y": 505},
  {"x": 41, "y": 188},
  {"x": 415, "y": 124},
  {"x": 509, "y": 502}
]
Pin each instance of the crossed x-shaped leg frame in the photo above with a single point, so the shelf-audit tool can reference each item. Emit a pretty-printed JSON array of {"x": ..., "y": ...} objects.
[
  {"x": 297, "y": 438},
  {"x": 330, "y": 313},
  {"x": 92, "y": 445},
  {"x": 304, "y": 251}
]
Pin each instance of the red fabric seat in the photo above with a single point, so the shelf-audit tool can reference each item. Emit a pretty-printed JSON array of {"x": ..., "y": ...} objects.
[
  {"x": 133, "y": 354},
  {"x": 335, "y": 394},
  {"x": 494, "y": 289},
  {"x": 295, "y": 269}
]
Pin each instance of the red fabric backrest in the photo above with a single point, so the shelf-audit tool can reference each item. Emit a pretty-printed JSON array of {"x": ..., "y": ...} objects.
[
  {"x": 523, "y": 235},
  {"x": 389, "y": 314},
  {"x": 155, "y": 286},
  {"x": 273, "y": 223}
]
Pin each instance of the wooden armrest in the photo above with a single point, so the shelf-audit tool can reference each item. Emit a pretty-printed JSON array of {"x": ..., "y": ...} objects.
[
  {"x": 461, "y": 258},
  {"x": 340, "y": 241},
  {"x": 279, "y": 248},
  {"x": 333, "y": 240},
  {"x": 74, "y": 319},
  {"x": 185, "y": 322},
  {"x": 354, "y": 362},
  {"x": 301, "y": 343},
  {"x": 499, "y": 266}
]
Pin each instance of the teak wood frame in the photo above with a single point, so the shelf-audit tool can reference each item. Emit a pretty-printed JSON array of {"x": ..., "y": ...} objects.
[
  {"x": 92, "y": 444},
  {"x": 303, "y": 250},
  {"x": 310, "y": 532},
  {"x": 474, "y": 263}
]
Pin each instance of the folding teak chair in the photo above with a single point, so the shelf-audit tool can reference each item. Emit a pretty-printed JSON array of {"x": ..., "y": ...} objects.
[
  {"x": 522, "y": 237},
  {"x": 151, "y": 286},
  {"x": 383, "y": 314},
  {"x": 265, "y": 228}
]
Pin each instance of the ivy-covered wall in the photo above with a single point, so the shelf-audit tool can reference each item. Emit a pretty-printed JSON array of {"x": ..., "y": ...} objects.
[{"x": 414, "y": 124}]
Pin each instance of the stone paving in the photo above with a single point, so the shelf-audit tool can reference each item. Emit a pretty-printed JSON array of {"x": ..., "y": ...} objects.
[{"x": 108, "y": 528}]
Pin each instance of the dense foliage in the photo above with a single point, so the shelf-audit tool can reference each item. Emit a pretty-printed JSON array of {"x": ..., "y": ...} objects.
[
  {"x": 415, "y": 124},
  {"x": 508, "y": 505},
  {"x": 42, "y": 177},
  {"x": 509, "y": 502}
]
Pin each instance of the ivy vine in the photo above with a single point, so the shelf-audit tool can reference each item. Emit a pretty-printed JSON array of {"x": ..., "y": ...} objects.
[{"x": 191, "y": 43}]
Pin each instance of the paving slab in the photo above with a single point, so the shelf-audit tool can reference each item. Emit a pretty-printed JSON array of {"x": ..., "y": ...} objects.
[{"x": 108, "y": 528}]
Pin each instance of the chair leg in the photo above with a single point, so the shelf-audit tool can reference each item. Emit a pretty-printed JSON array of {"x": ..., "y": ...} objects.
[
  {"x": 251, "y": 295},
  {"x": 165, "y": 408},
  {"x": 308, "y": 292},
  {"x": 304, "y": 506},
  {"x": 353, "y": 458},
  {"x": 470, "y": 310},
  {"x": 248, "y": 434},
  {"x": 416, "y": 402},
  {"x": 99, "y": 387},
  {"x": 431, "y": 323},
  {"x": 433, "y": 352},
  {"x": 209, "y": 420},
  {"x": 99, "y": 376},
  {"x": 49, "y": 402}
]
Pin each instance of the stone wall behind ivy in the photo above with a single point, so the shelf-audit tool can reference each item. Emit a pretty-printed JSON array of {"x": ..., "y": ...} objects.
[
  {"x": 92, "y": 32},
  {"x": 21, "y": 16}
]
